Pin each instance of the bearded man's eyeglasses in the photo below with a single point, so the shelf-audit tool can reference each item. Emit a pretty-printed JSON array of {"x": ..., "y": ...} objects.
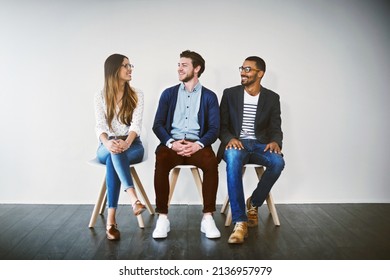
[{"x": 247, "y": 69}]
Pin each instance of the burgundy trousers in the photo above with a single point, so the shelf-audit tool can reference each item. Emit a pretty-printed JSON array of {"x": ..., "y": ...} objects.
[{"x": 166, "y": 159}]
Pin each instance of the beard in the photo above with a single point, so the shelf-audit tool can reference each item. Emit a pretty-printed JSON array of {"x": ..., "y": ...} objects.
[
  {"x": 188, "y": 77},
  {"x": 248, "y": 81}
]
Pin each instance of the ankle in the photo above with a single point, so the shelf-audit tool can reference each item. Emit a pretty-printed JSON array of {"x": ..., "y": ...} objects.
[
  {"x": 206, "y": 215},
  {"x": 135, "y": 201}
]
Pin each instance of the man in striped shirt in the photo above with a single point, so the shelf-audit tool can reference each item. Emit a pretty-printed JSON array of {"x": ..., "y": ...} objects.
[{"x": 250, "y": 133}]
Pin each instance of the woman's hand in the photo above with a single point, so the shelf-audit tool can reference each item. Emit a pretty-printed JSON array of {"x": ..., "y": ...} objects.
[
  {"x": 117, "y": 146},
  {"x": 114, "y": 146},
  {"x": 123, "y": 145}
]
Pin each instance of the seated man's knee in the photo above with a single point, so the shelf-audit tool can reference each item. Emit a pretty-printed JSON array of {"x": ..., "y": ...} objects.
[
  {"x": 162, "y": 155},
  {"x": 231, "y": 155},
  {"x": 278, "y": 163},
  {"x": 210, "y": 157}
]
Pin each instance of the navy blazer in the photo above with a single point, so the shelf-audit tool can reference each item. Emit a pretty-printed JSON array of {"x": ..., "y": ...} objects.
[
  {"x": 267, "y": 123},
  {"x": 208, "y": 116}
]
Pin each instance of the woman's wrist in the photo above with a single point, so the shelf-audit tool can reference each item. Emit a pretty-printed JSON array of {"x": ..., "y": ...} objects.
[
  {"x": 128, "y": 144},
  {"x": 104, "y": 138}
]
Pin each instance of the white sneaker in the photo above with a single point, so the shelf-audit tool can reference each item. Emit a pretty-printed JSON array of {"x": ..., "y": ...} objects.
[
  {"x": 208, "y": 227},
  {"x": 162, "y": 227}
]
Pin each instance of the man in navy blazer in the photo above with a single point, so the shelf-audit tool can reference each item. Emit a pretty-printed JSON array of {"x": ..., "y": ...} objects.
[
  {"x": 250, "y": 132},
  {"x": 187, "y": 123}
]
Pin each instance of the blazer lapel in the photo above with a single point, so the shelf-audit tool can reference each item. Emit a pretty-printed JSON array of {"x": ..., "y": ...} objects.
[
  {"x": 260, "y": 104},
  {"x": 240, "y": 107}
]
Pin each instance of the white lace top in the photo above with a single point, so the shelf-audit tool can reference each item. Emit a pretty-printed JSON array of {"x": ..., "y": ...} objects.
[{"x": 119, "y": 129}]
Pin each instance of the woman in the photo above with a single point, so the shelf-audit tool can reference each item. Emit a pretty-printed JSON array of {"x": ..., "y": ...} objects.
[{"x": 118, "y": 110}]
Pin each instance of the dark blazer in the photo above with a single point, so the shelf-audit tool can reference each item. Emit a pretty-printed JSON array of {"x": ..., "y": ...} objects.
[
  {"x": 208, "y": 115},
  {"x": 267, "y": 123}
]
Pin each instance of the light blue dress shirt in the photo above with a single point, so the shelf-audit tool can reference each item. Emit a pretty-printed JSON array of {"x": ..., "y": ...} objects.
[{"x": 185, "y": 123}]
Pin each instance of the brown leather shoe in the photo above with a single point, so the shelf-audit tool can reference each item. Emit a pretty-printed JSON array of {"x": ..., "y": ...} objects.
[
  {"x": 240, "y": 232},
  {"x": 138, "y": 208},
  {"x": 252, "y": 213},
  {"x": 112, "y": 232}
]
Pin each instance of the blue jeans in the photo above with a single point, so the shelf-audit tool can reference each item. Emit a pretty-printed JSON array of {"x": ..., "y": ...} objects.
[
  {"x": 117, "y": 169},
  {"x": 253, "y": 152}
]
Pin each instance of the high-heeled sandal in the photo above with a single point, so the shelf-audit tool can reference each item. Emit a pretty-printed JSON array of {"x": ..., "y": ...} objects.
[
  {"x": 112, "y": 232},
  {"x": 138, "y": 207}
]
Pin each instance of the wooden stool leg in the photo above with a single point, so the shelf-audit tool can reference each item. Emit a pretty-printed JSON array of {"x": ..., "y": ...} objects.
[
  {"x": 140, "y": 221},
  {"x": 98, "y": 205},
  {"x": 172, "y": 185},
  {"x": 103, "y": 206},
  {"x": 228, "y": 220},
  {"x": 272, "y": 209},
  {"x": 198, "y": 180},
  {"x": 141, "y": 190},
  {"x": 225, "y": 205}
]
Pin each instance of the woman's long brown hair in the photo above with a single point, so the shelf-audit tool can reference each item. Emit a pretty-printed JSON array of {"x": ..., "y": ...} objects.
[{"x": 112, "y": 66}]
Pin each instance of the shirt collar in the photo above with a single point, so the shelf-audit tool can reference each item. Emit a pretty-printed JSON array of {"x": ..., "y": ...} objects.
[{"x": 197, "y": 87}]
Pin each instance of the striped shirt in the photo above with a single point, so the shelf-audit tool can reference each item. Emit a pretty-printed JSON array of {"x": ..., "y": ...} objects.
[{"x": 249, "y": 116}]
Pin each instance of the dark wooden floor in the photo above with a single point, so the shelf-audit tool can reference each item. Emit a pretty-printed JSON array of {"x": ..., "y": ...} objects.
[{"x": 307, "y": 232}]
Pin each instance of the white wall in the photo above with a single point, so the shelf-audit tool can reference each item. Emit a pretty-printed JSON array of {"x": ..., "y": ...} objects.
[{"x": 328, "y": 60}]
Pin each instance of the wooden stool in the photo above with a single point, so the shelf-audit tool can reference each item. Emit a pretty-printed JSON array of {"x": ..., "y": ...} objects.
[
  {"x": 259, "y": 169},
  {"x": 102, "y": 198}
]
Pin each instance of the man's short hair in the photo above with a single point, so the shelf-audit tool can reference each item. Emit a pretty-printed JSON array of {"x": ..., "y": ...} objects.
[
  {"x": 260, "y": 63},
  {"x": 197, "y": 60}
]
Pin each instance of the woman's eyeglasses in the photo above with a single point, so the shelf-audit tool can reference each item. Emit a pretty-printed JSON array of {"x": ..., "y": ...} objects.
[{"x": 128, "y": 66}]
